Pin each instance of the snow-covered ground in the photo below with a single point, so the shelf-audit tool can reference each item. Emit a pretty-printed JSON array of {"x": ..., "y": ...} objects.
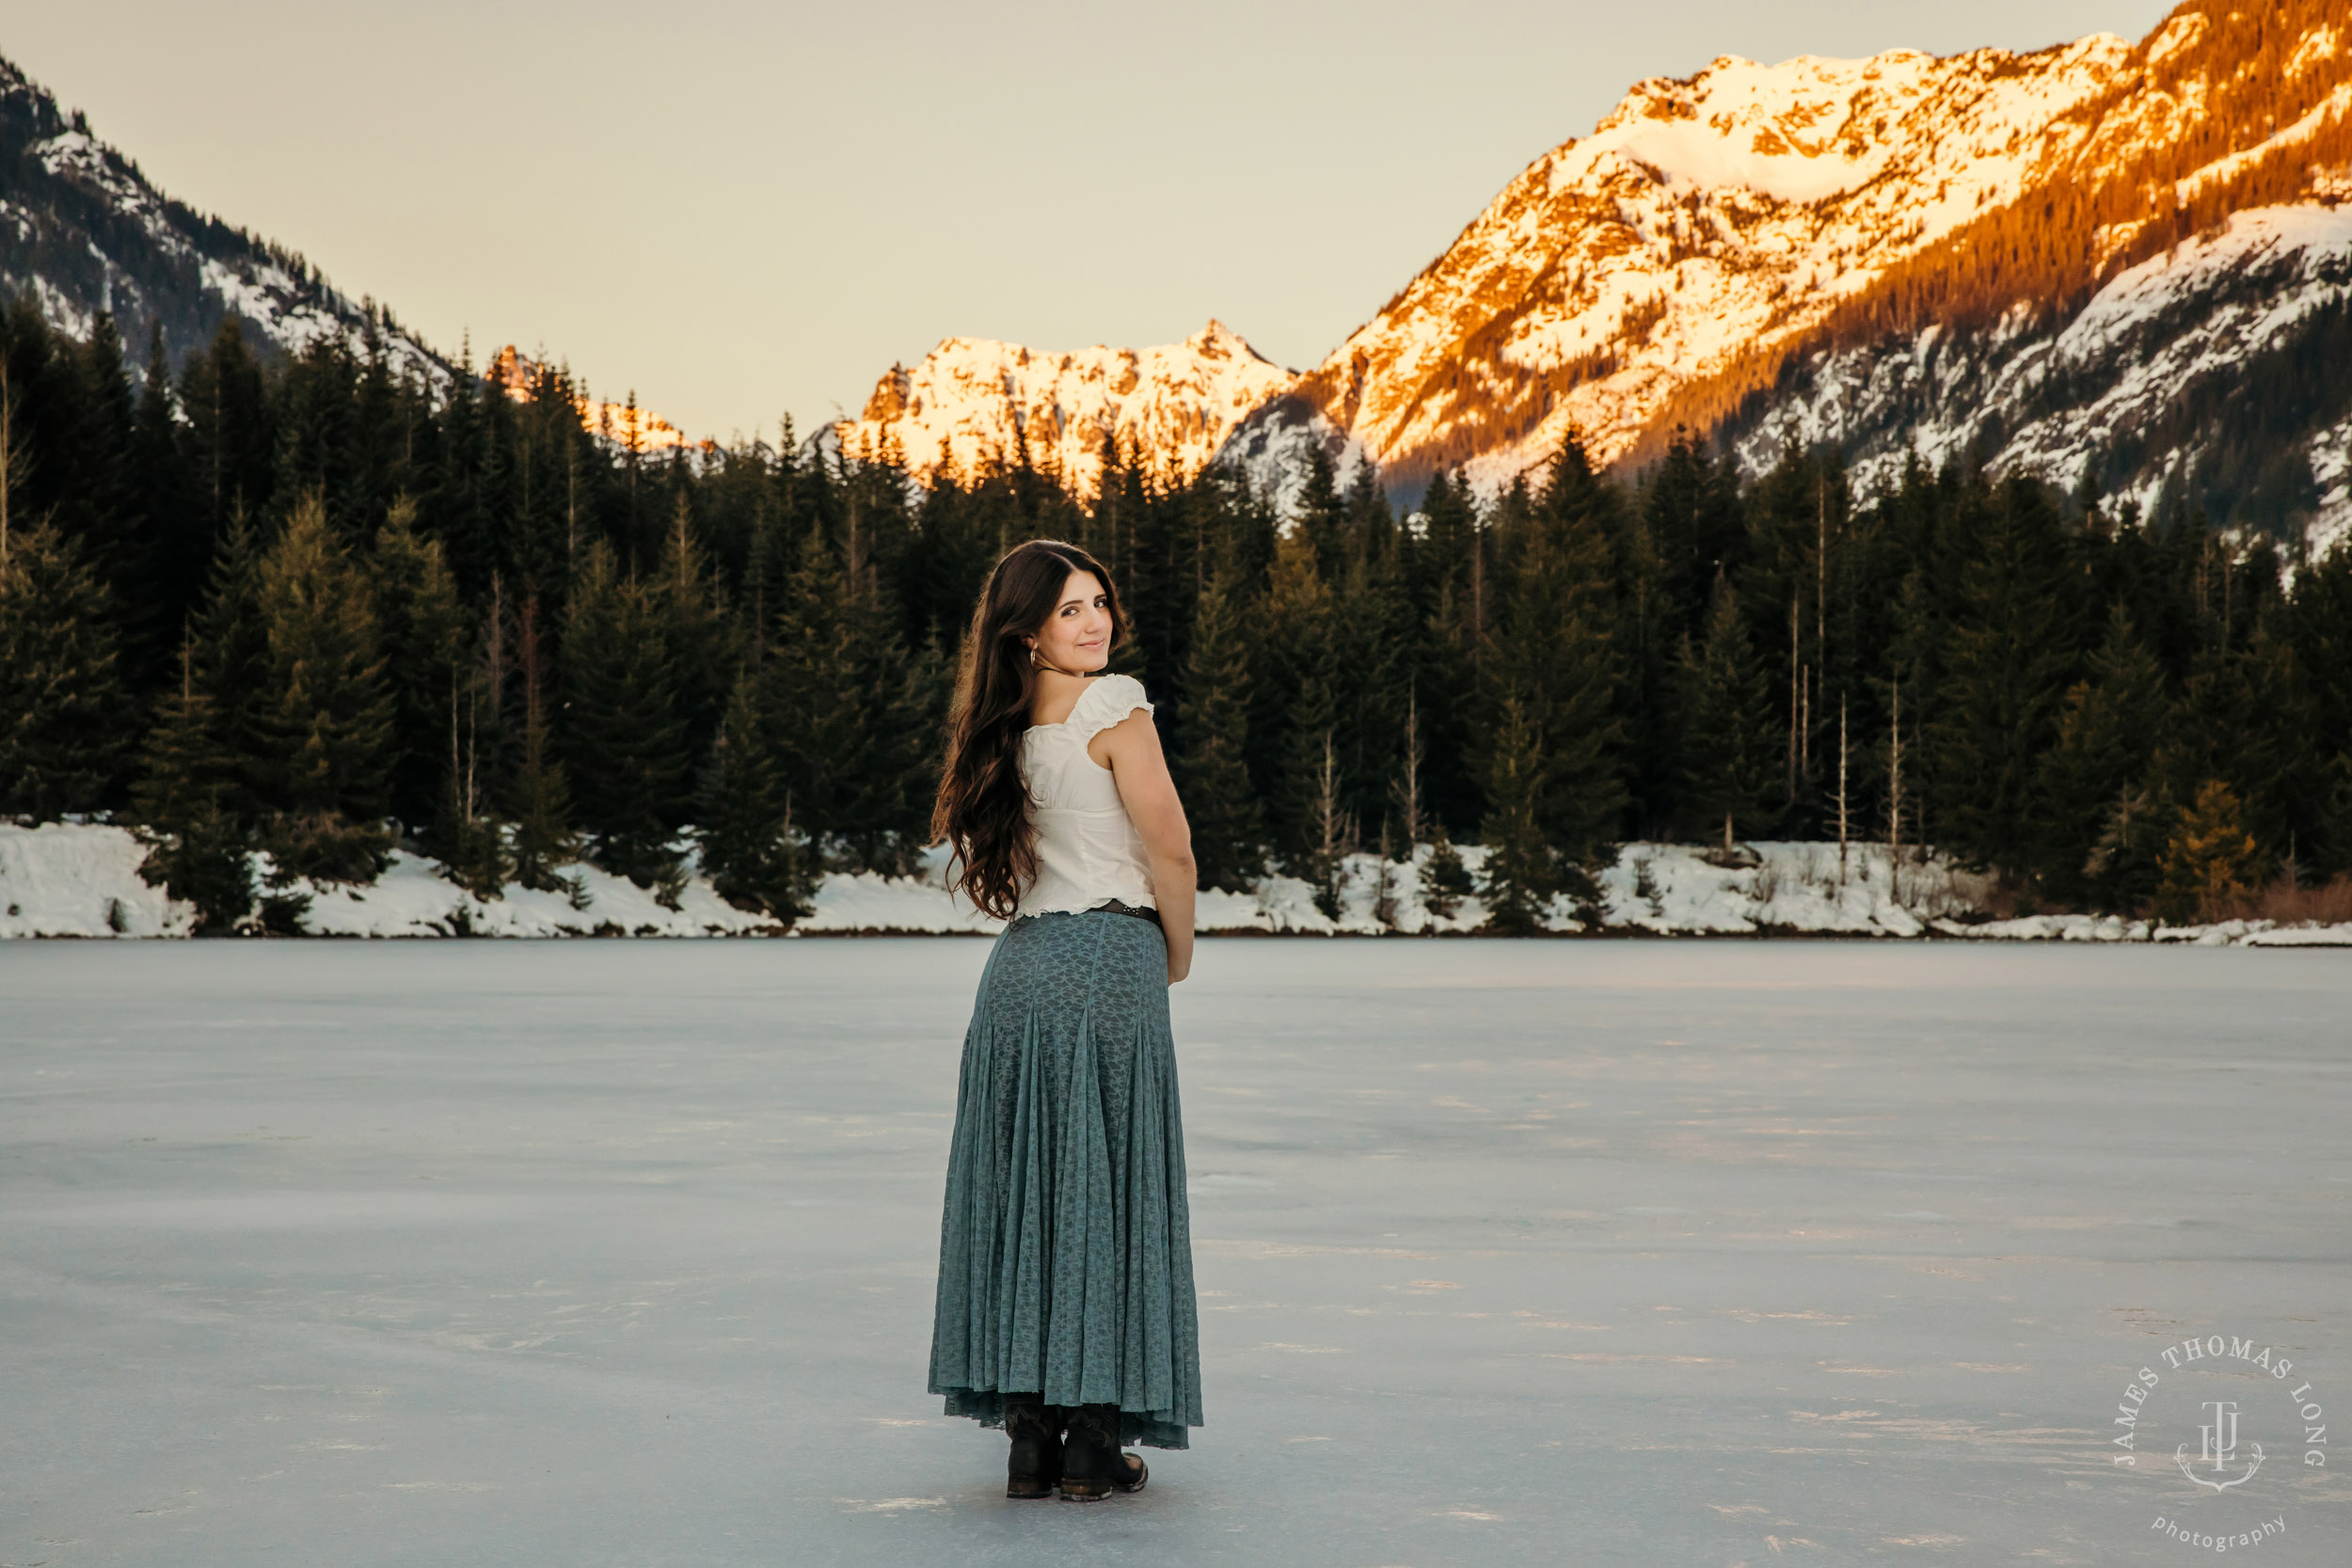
[
  {"x": 66, "y": 880},
  {"x": 82, "y": 880},
  {"x": 74, "y": 880},
  {"x": 1509, "y": 1253}
]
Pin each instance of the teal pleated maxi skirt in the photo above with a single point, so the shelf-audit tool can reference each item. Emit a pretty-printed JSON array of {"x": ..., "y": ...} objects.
[{"x": 1065, "y": 1252}]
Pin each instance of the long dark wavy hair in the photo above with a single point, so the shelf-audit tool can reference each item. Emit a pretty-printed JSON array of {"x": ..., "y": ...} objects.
[{"x": 982, "y": 812}]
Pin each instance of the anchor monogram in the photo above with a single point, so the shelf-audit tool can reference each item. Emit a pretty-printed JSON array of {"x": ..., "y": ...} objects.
[{"x": 2220, "y": 1448}]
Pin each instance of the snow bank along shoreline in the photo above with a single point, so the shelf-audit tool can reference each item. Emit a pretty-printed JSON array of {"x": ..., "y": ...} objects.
[{"x": 76, "y": 880}]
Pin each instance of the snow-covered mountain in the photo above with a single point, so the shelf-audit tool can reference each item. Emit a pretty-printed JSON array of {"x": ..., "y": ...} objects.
[
  {"x": 972, "y": 401},
  {"x": 1736, "y": 248},
  {"x": 2154, "y": 389},
  {"x": 1702, "y": 218},
  {"x": 84, "y": 230},
  {"x": 2035, "y": 259}
]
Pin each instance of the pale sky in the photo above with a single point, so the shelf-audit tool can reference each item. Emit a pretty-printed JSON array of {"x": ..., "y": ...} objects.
[{"x": 744, "y": 210}]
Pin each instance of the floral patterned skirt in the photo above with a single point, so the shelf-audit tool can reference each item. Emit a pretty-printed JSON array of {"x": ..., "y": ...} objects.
[{"x": 1065, "y": 1252}]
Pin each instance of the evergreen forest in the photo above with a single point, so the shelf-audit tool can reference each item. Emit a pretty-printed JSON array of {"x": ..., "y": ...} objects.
[{"x": 283, "y": 615}]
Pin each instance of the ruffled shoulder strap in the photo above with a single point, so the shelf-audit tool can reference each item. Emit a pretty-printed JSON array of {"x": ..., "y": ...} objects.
[{"x": 1107, "y": 700}]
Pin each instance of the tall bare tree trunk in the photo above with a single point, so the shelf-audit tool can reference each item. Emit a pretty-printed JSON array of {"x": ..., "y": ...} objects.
[
  {"x": 1895, "y": 794},
  {"x": 1796, "y": 677},
  {"x": 1841, "y": 792},
  {"x": 1406, "y": 791}
]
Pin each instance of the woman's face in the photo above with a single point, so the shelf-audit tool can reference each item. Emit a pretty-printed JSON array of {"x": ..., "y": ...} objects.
[{"x": 1077, "y": 635}]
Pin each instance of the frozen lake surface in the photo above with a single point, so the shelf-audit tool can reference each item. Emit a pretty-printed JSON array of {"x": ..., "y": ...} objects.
[{"x": 592, "y": 1254}]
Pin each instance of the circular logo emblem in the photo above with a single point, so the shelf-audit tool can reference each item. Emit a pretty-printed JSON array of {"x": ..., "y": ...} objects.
[{"x": 2225, "y": 1422}]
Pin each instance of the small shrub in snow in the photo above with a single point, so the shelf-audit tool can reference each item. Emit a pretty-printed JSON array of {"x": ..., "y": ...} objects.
[{"x": 1445, "y": 882}]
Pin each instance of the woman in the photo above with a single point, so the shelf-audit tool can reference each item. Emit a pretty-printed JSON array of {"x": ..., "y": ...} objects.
[{"x": 1065, "y": 1311}]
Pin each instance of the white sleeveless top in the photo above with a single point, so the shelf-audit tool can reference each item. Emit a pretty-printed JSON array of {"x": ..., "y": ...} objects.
[{"x": 1087, "y": 851}]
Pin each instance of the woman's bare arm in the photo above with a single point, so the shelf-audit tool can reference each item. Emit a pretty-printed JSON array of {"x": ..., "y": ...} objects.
[{"x": 1130, "y": 749}]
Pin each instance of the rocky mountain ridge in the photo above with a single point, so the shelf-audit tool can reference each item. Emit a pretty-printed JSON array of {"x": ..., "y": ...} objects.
[
  {"x": 1746, "y": 251},
  {"x": 972, "y": 401},
  {"x": 1700, "y": 217},
  {"x": 2148, "y": 394},
  {"x": 83, "y": 229}
]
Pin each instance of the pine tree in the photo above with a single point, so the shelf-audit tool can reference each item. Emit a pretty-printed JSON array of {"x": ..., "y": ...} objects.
[
  {"x": 702, "y": 644},
  {"x": 2276, "y": 760},
  {"x": 424, "y": 636},
  {"x": 1321, "y": 516},
  {"x": 2105, "y": 739},
  {"x": 1689, "y": 534},
  {"x": 2008, "y": 659},
  {"x": 540, "y": 795},
  {"x": 821, "y": 720},
  {"x": 1522, "y": 871},
  {"x": 1374, "y": 629},
  {"x": 745, "y": 827},
  {"x": 856, "y": 709},
  {"x": 623, "y": 729},
  {"x": 2335, "y": 807},
  {"x": 174, "y": 544},
  {"x": 2125, "y": 866},
  {"x": 1449, "y": 534},
  {"x": 1729, "y": 767},
  {"x": 1306, "y": 678},
  {"x": 2320, "y": 620},
  {"x": 1213, "y": 770},
  {"x": 469, "y": 462},
  {"x": 231, "y": 646},
  {"x": 907, "y": 715},
  {"x": 325, "y": 714},
  {"x": 1445, "y": 882},
  {"x": 16, "y": 446},
  {"x": 198, "y": 851},
  {"x": 2211, "y": 862},
  {"x": 1692, "y": 509},
  {"x": 62, "y": 714},
  {"x": 228, "y": 441},
  {"x": 1649, "y": 643},
  {"x": 1449, "y": 578},
  {"x": 1554, "y": 657},
  {"x": 101, "y": 511}
]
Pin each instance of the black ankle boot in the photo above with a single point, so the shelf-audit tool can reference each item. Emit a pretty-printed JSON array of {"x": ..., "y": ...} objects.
[
  {"x": 1091, "y": 1464},
  {"x": 1035, "y": 1465}
]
